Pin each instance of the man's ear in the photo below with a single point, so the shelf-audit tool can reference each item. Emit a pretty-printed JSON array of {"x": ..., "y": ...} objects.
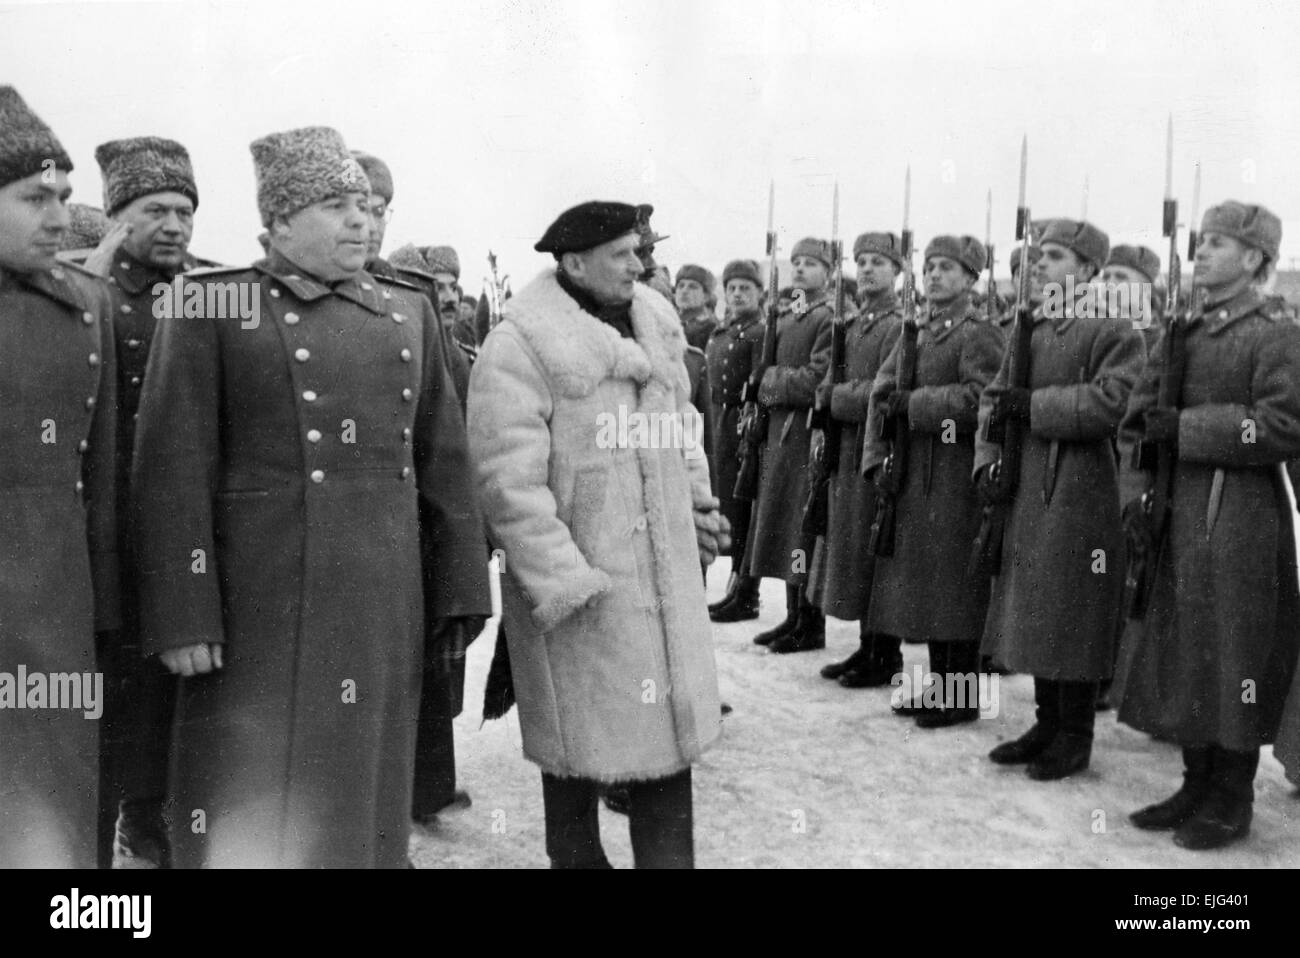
[
  {"x": 571, "y": 263},
  {"x": 1252, "y": 259}
]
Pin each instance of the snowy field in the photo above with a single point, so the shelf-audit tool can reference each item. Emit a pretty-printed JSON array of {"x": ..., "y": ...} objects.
[{"x": 811, "y": 774}]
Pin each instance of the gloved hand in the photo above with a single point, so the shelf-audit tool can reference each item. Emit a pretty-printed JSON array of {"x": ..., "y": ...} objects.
[
  {"x": 712, "y": 532},
  {"x": 896, "y": 404},
  {"x": 1015, "y": 403},
  {"x": 987, "y": 489},
  {"x": 450, "y": 637},
  {"x": 191, "y": 660},
  {"x": 1161, "y": 424}
]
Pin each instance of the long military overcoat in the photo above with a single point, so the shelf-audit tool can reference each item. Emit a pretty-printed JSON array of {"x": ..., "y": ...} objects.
[
  {"x": 609, "y": 636},
  {"x": 1212, "y": 660},
  {"x": 58, "y": 561},
  {"x": 302, "y": 490},
  {"x": 844, "y": 570},
  {"x": 1056, "y": 596},
  {"x": 731, "y": 351},
  {"x": 923, "y": 592},
  {"x": 803, "y": 353}
]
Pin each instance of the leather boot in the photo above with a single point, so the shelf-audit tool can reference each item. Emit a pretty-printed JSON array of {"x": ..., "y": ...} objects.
[
  {"x": 836, "y": 670},
  {"x": 743, "y": 604},
  {"x": 960, "y": 677},
  {"x": 727, "y": 596},
  {"x": 1224, "y": 816},
  {"x": 915, "y": 706},
  {"x": 884, "y": 660},
  {"x": 1071, "y": 750},
  {"x": 1198, "y": 764},
  {"x": 808, "y": 634},
  {"x": 1047, "y": 722},
  {"x": 791, "y": 617}
]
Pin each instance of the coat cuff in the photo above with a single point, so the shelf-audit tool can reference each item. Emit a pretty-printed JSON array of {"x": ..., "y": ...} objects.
[{"x": 576, "y": 593}]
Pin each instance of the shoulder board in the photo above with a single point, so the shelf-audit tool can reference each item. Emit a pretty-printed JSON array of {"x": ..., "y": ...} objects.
[
  {"x": 205, "y": 272},
  {"x": 76, "y": 267},
  {"x": 1277, "y": 308},
  {"x": 399, "y": 283},
  {"x": 417, "y": 273},
  {"x": 201, "y": 263}
]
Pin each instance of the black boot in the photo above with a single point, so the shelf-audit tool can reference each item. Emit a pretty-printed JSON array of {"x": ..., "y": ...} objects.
[
  {"x": 1047, "y": 722},
  {"x": 960, "y": 677},
  {"x": 808, "y": 634},
  {"x": 1071, "y": 750},
  {"x": 1224, "y": 816},
  {"x": 792, "y": 593},
  {"x": 731, "y": 591},
  {"x": 883, "y": 661},
  {"x": 915, "y": 706},
  {"x": 743, "y": 604},
  {"x": 860, "y": 656},
  {"x": 1198, "y": 765}
]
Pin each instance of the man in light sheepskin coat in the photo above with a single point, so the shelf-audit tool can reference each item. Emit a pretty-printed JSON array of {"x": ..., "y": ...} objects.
[{"x": 594, "y": 482}]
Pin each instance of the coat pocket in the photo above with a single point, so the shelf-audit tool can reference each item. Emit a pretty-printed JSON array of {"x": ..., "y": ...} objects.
[{"x": 590, "y": 487}]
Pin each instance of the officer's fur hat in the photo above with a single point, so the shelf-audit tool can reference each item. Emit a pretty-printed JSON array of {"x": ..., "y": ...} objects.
[
  {"x": 297, "y": 168},
  {"x": 811, "y": 246},
  {"x": 1251, "y": 224},
  {"x": 886, "y": 244},
  {"x": 26, "y": 143},
  {"x": 377, "y": 172},
  {"x": 966, "y": 250},
  {"x": 743, "y": 269},
  {"x": 88, "y": 226},
  {"x": 141, "y": 165},
  {"x": 1087, "y": 242}
]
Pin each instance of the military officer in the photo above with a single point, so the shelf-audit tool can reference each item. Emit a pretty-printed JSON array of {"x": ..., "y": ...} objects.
[
  {"x": 845, "y": 588},
  {"x": 1056, "y": 596},
  {"x": 803, "y": 353},
  {"x": 924, "y": 592},
  {"x": 149, "y": 191},
  {"x": 1209, "y": 664},
  {"x": 305, "y": 528},
  {"x": 695, "y": 296},
  {"x": 58, "y": 565}
]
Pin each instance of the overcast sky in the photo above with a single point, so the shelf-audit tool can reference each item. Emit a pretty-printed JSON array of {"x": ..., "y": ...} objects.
[{"x": 496, "y": 116}]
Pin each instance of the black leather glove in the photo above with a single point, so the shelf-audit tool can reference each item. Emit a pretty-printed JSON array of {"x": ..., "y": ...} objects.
[
  {"x": 1161, "y": 424},
  {"x": 450, "y": 637},
  {"x": 896, "y": 404}
]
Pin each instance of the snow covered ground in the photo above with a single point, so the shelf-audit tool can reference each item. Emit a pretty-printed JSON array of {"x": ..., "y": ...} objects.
[{"x": 811, "y": 774}]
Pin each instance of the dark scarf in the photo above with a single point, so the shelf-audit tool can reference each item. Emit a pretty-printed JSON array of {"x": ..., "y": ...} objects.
[{"x": 619, "y": 315}]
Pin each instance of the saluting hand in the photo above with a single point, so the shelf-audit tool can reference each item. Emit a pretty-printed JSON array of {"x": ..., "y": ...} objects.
[
  {"x": 100, "y": 262},
  {"x": 191, "y": 660}
]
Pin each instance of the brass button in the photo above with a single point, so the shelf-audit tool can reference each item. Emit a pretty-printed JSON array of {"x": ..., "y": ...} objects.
[
  {"x": 387, "y": 295},
  {"x": 126, "y": 308},
  {"x": 133, "y": 344},
  {"x": 83, "y": 446},
  {"x": 367, "y": 287},
  {"x": 124, "y": 265},
  {"x": 87, "y": 318},
  {"x": 275, "y": 293},
  {"x": 80, "y": 485},
  {"x": 406, "y": 435},
  {"x": 135, "y": 380},
  {"x": 398, "y": 318},
  {"x": 90, "y": 402},
  {"x": 308, "y": 395},
  {"x": 318, "y": 475},
  {"x": 406, "y": 395},
  {"x": 93, "y": 360},
  {"x": 313, "y": 435},
  {"x": 406, "y": 355},
  {"x": 301, "y": 355},
  {"x": 290, "y": 319},
  {"x": 1223, "y": 314},
  {"x": 406, "y": 472}
]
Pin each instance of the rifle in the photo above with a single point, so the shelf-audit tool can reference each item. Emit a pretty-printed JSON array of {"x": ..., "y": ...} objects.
[
  {"x": 754, "y": 418},
  {"x": 986, "y": 550},
  {"x": 893, "y": 471},
  {"x": 495, "y": 290},
  {"x": 1160, "y": 458},
  {"x": 816, "y": 511}
]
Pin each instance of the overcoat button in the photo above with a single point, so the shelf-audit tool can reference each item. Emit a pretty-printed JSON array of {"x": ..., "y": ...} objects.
[
  {"x": 275, "y": 293},
  {"x": 406, "y": 472},
  {"x": 133, "y": 344},
  {"x": 308, "y": 395},
  {"x": 90, "y": 402},
  {"x": 313, "y": 435},
  {"x": 301, "y": 355},
  {"x": 406, "y": 395},
  {"x": 406, "y": 434},
  {"x": 1223, "y": 314},
  {"x": 93, "y": 360},
  {"x": 398, "y": 318},
  {"x": 367, "y": 287},
  {"x": 406, "y": 355},
  {"x": 318, "y": 475},
  {"x": 291, "y": 319},
  {"x": 83, "y": 446},
  {"x": 124, "y": 265},
  {"x": 135, "y": 380},
  {"x": 126, "y": 307},
  {"x": 87, "y": 318},
  {"x": 640, "y": 523},
  {"x": 80, "y": 485}
]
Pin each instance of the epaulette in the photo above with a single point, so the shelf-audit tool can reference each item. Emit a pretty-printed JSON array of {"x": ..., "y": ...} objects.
[
  {"x": 1277, "y": 308},
  {"x": 401, "y": 283},
  {"x": 201, "y": 263},
  {"x": 418, "y": 273},
  {"x": 79, "y": 268},
  {"x": 203, "y": 272}
]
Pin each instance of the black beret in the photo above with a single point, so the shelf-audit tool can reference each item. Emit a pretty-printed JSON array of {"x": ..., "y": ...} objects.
[{"x": 588, "y": 225}]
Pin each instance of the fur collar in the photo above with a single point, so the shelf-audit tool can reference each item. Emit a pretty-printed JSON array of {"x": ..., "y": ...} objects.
[{"x": 577, "y": 350}]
